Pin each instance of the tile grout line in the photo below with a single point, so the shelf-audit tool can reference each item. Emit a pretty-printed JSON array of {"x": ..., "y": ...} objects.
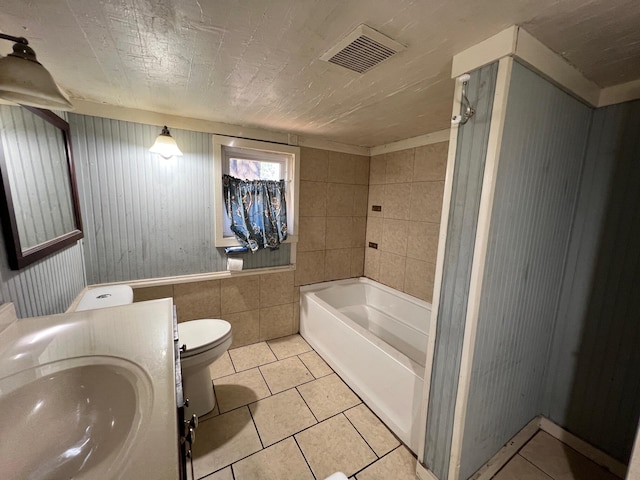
[
  {"x": 526, "y": 460},
  {"x": 303, "y": 455},
  {"x": 360, "y": 433}
]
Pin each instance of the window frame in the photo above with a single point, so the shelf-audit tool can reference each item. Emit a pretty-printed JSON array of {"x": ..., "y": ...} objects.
[{"x": 291, "y": 192}]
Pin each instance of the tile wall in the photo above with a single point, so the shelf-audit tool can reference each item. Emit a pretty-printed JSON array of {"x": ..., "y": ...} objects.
[
  {"x": 408, "y": 185},
  {"x": 333, "y": 215}
]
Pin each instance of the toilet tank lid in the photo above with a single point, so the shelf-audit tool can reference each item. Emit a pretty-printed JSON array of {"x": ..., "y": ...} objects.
[{"x": 110, "y": 296}]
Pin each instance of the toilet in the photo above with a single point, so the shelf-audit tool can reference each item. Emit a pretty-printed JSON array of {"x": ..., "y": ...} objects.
[{"x": 201, "y": 343}]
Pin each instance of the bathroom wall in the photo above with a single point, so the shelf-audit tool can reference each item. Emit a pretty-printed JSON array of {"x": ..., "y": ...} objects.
[{"x": 408, "y": 185}]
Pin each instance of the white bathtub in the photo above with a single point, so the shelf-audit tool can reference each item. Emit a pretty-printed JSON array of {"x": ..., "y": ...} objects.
[{"x": 375, "y": 338}]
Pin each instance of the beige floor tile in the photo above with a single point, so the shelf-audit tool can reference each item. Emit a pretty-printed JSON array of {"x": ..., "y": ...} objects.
[
  {"x": 282, "y": 461},
  {"x": 223, "y": 440},
  {"x": 327, "y": 396},
  {"x": 221, "y": 367},
  {"x": 560, "y": 461},
  {"x": 280, "y": 416},
  {"x": 288, "y": 346},
  {"x": 224, "y": 474},
  {"x": 285, "y": 374},
  {"x": 399, "y": 465},
  {"x": 335, "y": 446},
  {"x": 213, "y": 413},
  {"x": 520, "y": 469},
  {"x": 375, "y": 433},
  {"x": 251, "y": 356},
  {"x": 240, "y": 389},
  {"x": 316, "y": 365}
]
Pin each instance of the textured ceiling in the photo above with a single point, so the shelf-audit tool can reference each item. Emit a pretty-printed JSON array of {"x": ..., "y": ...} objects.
[{"x": 256, "y": 62}]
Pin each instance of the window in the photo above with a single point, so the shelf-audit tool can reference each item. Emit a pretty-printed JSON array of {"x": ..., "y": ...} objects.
[{"x": 254, "y": 160}]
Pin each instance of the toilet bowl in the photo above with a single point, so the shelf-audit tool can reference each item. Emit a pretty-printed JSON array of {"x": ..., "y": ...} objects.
[{"x": 201, "y": 343}]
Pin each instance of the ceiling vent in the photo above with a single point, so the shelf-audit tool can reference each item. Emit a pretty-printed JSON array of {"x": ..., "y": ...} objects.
[{"x": 362, "y": 49}]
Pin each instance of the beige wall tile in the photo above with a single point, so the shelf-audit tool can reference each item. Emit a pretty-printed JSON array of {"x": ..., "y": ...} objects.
[
  {"x": 313, "y": 199},
  {"x": 426, "y": 201},
  {"x": 339, "y": 232},
  {"x": 239, "y": 294},
  {"x": 276, "y": 321},
  {"x": 360, "y": 200},
  {"x": 276, "y": 289},
  {"x": 152, "y": 293},
  {"x": 378, "y": 170},
  {"x": 418, "y": 279},
  {"x": 392, "y": 270},
  {"x": 197, "y": 300},
  {"x": 245, "y": 327},
  {"x": 312, "y": 234},
  {"x": 400, "y": 166},
  {"x": 337, "y": 264},
  {"x": 340, "y": 200},
  {"x": 357, "y": 262},
  {"x": 372, "y": 263},
  {"x": 358, "y": 231},
  {"x": 397, "y": 197},
  {"x": 374, "y": 230},
  {"x": 394, "y": 236},
  {"x": 314, "y": 164},
  {"x": 361, "y": 169},
  {"x": 309, "y": 267},
  {"x": 341, "y": 168},
  {"x": 422, "y": 243},
  {"x": 430, "y": 164},
  {"x": 376, "y": 197}
]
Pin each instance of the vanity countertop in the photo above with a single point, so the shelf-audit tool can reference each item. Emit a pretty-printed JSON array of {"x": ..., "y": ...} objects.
[{"x": 133, "y": 347}]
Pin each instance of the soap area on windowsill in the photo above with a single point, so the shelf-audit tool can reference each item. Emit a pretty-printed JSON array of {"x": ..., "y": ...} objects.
[{"x": 90, "y": 394}]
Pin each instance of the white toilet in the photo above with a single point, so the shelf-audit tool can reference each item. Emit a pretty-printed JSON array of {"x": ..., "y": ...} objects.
[{"x": 201, "y": 343}]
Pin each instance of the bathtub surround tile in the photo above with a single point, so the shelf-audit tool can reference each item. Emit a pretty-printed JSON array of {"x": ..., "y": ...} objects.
[
  {"x": 395, "y": 234},
  {"x": 288, "y": 346},
  {"x": 276, "y": 321},
  {"x": 376, "y": 197},
  {"x": 152, "y": 293},
  {"x": 360, "y": 200},
  {"x": 426, "y": 201},
  {"x": 309, "y": 268},
  {"x": 357, "y": 262},
  {"x": 283, "y": 461},
  {"x": 296, "y": 316},
  {"x": 312, "y": 234},
  {"x": 360, "y": 169},
  {"x": 400, "y": 166},
  {"x": 340, "y": 199},
  {"x": 221, "y": 367},
  {"x": 374, "y": 432},
  {"x": 521, "y": 469},
  {"x": 314, "y": 164},
  {"x": 337, "y": 264},
  {"x": 339, "y": 232},
  {"x": 239, "y": 294},
  {"x": 392, "y": 270},
  {"x": 316, "y": 365},
  {"x": 396, "y": 201},
  {"x": 276, "y": 289},
  {"x": 223, "y": 440},
  {"x": 245, "y": 327},
  {"x": 281, "y": 416},
  {"x": 430, "y": 163},
  {"x": 328, "y": 396},
  {"x": 313, "y": 199},
  {"x": 378, "y": 170},
  {"x": 372, "y": 263},
  {"x": 422, "y": 242},
  {"x": 334, "y": 445},
  {"x": 251, "y": 356},
  {"x": 374, "y": 230},
  {"x": 240, "y": 389},
  {"x": 418, "y": 279},
  {"x": 197, "y": 300},
  {"x": 285, "y": 374},
  {"x": 341, "y": 168},
  {"x": 399, "y": 465},
  {"x": 358, "y": 232}
]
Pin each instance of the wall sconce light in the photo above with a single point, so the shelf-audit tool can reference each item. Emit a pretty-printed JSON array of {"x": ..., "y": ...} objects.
[
  {"x": 165, "y": 145},
  {"x": 25, "y": 81}
]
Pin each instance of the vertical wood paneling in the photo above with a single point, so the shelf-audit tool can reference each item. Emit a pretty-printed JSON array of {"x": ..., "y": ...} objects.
[
  {"x": 463, "y": 216},
  {"x": 145, "y": 216},
  {"x": 541, "y": 162}
]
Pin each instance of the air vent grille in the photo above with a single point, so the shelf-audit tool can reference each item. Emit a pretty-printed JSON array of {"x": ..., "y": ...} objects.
[{"x": 362, "y": 49}]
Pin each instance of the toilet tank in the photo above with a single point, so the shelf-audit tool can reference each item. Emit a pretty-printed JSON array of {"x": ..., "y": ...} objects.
[{"x": 110, "y": 296}]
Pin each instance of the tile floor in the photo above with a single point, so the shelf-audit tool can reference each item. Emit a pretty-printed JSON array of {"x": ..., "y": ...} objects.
[{"x": 282, "y": 413}]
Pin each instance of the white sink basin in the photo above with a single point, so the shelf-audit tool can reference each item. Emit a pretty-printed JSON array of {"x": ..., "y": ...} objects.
[{"x": 67, "y": 418}]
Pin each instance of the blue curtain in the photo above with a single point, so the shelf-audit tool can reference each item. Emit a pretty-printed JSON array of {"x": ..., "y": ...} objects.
[{"x": 257, "y": 210}]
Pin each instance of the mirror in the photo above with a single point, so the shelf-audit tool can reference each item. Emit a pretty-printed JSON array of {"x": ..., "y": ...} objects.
[{"x": 40, "y": 208}]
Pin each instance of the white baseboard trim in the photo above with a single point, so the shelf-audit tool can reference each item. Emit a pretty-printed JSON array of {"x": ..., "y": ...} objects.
[
  {"x": 592, "y": 453},
  {"x": 424, "y": 473}
]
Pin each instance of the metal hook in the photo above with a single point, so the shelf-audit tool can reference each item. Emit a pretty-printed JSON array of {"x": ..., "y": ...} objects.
[{"x": 469, "y": 111}]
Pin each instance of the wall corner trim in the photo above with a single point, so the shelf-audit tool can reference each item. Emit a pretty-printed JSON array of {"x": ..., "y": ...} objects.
[
  {"x": 427, "y": 139},
  {"x": 619, "y": 93}
]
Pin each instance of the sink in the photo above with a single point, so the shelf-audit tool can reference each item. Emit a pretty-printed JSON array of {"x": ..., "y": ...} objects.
[{"x": 72, "y": 418}]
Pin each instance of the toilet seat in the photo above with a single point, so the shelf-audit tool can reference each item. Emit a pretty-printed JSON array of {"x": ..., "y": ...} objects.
[{"x": 202, "y": 335}]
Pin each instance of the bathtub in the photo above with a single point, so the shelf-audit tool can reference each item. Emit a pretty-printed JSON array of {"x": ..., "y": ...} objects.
[{"x": 375, "y": 338}]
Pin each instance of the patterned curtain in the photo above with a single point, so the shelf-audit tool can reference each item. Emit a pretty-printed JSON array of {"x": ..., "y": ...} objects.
[{"x": 258, "y": 211}]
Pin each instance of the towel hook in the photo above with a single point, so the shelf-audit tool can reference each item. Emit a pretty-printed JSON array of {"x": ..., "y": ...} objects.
[{"x": 470, "y": 111}]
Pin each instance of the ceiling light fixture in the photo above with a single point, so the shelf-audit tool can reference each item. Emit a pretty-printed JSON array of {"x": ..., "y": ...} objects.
[
  {"x": 165, "y": 145},
  {"x": 25, "y": 81}
]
